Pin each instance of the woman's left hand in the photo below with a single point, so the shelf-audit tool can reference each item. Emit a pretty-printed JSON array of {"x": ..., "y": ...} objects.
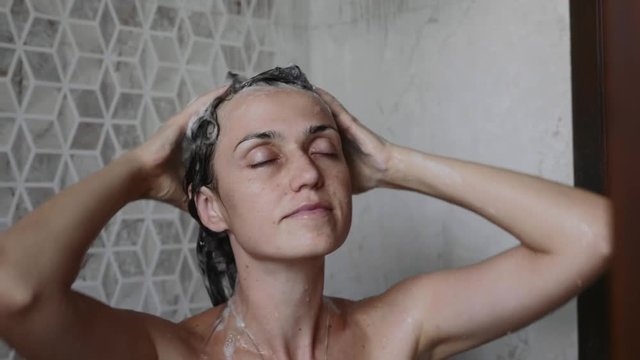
[
  {"x": 160, "y": 155},
  {"x": 367, "y": 153}
]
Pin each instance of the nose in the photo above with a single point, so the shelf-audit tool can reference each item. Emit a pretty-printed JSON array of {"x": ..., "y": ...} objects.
[{"x": 304, "y": 173}]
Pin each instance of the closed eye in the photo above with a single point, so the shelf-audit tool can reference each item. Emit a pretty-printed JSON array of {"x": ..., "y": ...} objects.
[
  {"x": 323, "y": 146},
  {"x": 261, "y": 156},
  {"x": 263, "y": 163}
]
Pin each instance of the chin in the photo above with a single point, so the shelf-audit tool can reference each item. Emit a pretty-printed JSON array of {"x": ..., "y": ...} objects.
[{"x": 308, "y": 245}]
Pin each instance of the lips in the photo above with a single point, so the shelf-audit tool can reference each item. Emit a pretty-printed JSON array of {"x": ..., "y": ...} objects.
[{"x": 309, "y": 209}]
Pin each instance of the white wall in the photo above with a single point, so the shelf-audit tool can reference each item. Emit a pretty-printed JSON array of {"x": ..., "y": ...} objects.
[{"x": 486, "y": 81}]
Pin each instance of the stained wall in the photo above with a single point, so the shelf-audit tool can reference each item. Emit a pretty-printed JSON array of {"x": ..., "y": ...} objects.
[{"x": 485, "y": 81}]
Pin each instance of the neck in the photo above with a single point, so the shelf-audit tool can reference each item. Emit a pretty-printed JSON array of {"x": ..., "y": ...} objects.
[{"x": 282, "y": 306}]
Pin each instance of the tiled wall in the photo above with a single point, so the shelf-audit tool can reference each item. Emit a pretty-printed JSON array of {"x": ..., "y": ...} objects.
[{"x": 83, "y": 80}]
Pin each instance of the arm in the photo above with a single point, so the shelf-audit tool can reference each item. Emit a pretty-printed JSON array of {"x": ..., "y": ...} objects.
[
  {"x": 565, "y": 244},
  {"x": 40, "y": 257},
  {"x": 564, "y": 234}
]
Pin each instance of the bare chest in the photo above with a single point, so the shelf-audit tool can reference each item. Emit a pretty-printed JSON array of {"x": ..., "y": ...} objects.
[{"x": 347, "y": 345}]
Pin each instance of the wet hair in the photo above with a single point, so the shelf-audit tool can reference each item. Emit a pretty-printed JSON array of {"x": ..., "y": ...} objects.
[{"x": 215, "y": 257}]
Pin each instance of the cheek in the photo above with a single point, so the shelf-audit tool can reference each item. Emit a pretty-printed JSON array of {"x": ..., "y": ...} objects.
[
  {"x": 251, "y": 199},
  {"x": 343, "y": 177}
]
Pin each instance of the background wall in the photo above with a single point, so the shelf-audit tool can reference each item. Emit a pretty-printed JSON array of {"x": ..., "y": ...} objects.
[
  {"x": 486, "y": 81},
  {"x": 83, "y": 80}
]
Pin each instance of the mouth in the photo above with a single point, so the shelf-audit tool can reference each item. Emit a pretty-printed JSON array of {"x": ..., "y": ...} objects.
[{"x": 309, "y": 210}]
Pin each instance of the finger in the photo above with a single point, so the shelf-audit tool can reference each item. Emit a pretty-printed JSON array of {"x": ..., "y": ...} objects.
[
  {"x": 197, "y": 105},
  {"x": 205, "y": 99},
  {"x": 343, "y": 118},
  {"x": 335, "y": 105}
]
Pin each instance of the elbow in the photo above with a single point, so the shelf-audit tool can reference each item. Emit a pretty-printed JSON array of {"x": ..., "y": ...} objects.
[
  {"x": 604, "y": 239},
  {"x": 15, "y": 297},
  {"x": 595, "y": 232},
  {"x": 604, "y": 248},
  {"x": 14, "y": 300},
  {"x": 599, "y": 238}
]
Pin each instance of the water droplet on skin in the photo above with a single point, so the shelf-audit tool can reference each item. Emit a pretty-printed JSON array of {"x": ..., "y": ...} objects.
[{"x": 229, "y": 346}]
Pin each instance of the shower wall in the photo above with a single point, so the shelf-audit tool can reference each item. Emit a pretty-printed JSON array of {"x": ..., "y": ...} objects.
[
  {"x": 83, "y": 80},
  {"x": 486, "y": 81}
]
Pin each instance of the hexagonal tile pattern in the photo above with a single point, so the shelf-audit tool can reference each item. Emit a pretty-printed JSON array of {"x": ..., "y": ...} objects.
[
  {"x": 127, "y": 75},
  {"x": 6, "y": 58},
  {"x": 44, "y": 134},
  {"x": 81, "y": 81},
  {"x": 200, "y": 24},
  {"x": 7, "y": 125},
  {"x": 165, "y": 47},
  {"x": 126, "y": 12},
  {"x": 66, "y": 118},
  {"x": 86, "y": 37},
  {"x": 129, "y": 232},
  {"x": 20, "y": 80},
  {"x": 45, "y": 7},
  {"x": 43, "y": 32},
  {"x": 6, "y": 35},
  {"x": 7, "y": 174},
  {"x": 42, "y": 66},
  {"x": 6, "y": 102},
  {"x": 43, "y": 167},
  {"x": 127, "y": 43},
  {"x": 87, "y": 71},
  {"x": 87, "y": 136},
  {"x": 65, "y": 51},
  {"x": 20, "y": 15},
  {"x": 85, "y": 9},
  {"x": 164, "y": 18},
  {"x": 38, "y": 195},
  {"x": 86, "y": 103},
  {"x": 106, "y": 23}
]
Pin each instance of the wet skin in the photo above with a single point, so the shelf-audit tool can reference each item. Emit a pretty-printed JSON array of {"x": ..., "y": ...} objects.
[
  {"x": 282, "y": 181},
  {"x": 284, "y": 195}
]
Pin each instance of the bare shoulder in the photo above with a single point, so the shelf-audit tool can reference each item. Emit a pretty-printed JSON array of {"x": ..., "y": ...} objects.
[
  {"x": 201, "y": 325},
  {"x": 200, "y": 328},
  {"x": 373, "y": 328}
]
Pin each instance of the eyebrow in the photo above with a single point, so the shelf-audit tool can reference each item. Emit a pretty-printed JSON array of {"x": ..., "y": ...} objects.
[
  {"x": 314, "y": 129},
  {"x": 270, "y": 134}
]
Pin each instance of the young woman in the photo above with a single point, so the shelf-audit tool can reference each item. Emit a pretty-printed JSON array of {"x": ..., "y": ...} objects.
[{"x": 273, "y": 169}]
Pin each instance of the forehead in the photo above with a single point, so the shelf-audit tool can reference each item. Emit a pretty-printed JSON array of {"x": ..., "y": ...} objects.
[{"x": 263, "y": 108}]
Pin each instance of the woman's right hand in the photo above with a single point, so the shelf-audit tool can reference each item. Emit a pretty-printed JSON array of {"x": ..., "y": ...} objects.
[
  {"x": 160, "y": 157},
  {"x": 367, "y": 153}
]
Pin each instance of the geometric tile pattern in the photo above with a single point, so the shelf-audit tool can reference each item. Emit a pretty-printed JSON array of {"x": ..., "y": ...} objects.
[{"x": 83, "y": 80}]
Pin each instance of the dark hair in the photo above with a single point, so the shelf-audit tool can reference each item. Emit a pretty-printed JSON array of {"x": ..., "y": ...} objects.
[{"x": 213, "y": 249}]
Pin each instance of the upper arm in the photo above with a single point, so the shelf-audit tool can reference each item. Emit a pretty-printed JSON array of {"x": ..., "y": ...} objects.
[
  {"x": 73, "y": 326},
  {"x": 462, "y": 308}
]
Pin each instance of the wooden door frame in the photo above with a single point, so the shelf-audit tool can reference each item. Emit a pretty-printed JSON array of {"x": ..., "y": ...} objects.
[
  {"x": 589, "y": 157},
  {"x": 621, "y": 36},
  {"x": 606, "y": 134}
]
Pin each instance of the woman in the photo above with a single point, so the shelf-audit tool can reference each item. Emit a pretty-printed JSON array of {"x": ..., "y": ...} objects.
[{"x": 276, "y": 181}]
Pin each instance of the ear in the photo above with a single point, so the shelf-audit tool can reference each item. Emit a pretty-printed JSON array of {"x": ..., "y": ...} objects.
[{"x": 210, "y": 210}]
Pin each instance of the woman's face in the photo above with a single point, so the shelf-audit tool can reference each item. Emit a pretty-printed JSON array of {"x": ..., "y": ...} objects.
[{"x": 283, "y": 182}]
